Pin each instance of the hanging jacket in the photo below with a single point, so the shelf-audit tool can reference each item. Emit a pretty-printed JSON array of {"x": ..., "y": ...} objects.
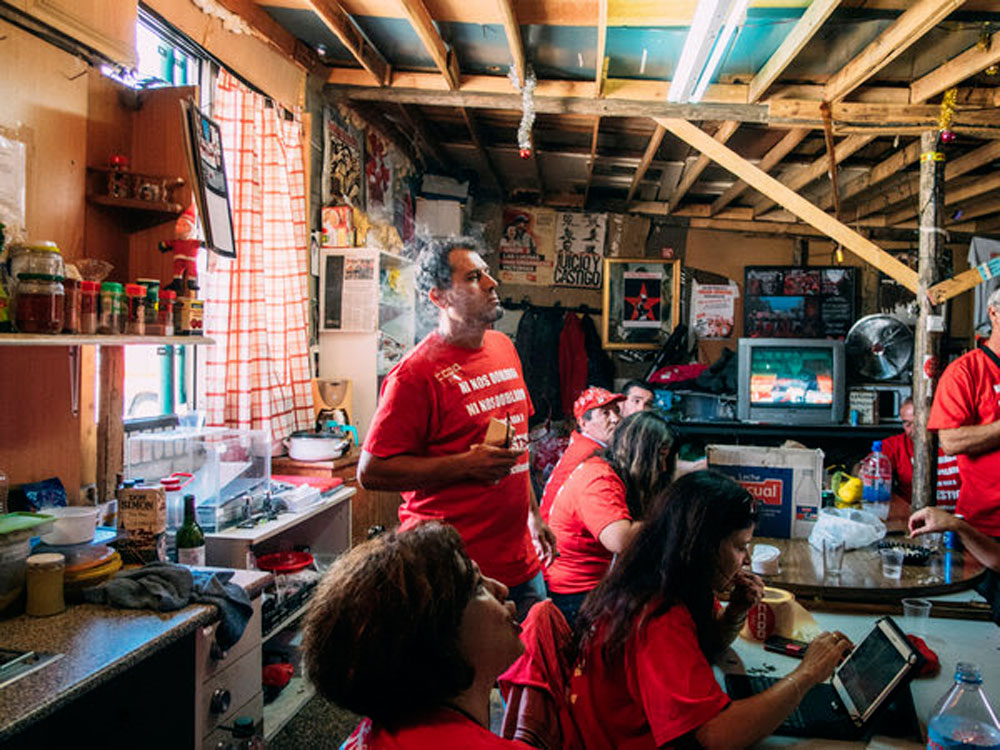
[{"x": 572, "y": 361}]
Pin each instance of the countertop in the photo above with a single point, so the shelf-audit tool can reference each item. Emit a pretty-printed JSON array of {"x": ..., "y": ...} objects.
[{"x": 97, "y": 643}]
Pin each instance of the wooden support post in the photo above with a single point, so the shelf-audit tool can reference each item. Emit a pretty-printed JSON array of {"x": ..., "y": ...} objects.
[
  {"x": 926, "y": 343},
  {"x": 110, "y": 430}
]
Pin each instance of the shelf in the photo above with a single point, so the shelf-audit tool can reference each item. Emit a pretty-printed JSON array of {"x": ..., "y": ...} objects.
[
  {"x": 278, "y": 712},
  {"x": 72, "y": 339},
  {"x": 292, "y": 617},
  {"x": 283, "y": 522},
  {"x": 135, "y": 204}
]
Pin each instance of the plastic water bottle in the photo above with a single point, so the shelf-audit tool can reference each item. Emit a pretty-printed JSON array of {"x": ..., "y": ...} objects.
[
  {"x": 963, "y": 718},
  {"x": 876, "y": 480}
]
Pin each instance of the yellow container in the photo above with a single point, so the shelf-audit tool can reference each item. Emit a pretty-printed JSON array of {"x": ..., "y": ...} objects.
[{"x": 848, "y": 492}]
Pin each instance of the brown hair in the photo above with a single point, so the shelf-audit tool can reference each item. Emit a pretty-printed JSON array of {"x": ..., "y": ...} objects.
[{"x": 381, "y": 636}]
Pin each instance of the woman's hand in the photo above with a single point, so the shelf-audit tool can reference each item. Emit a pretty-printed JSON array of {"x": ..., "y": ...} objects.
[
  {"x": 825, "y": 652},
  {"x": 748, "y": 590}
]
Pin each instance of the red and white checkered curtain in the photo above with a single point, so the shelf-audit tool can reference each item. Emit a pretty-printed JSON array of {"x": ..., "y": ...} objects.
[{"x": 256, "y": 306}]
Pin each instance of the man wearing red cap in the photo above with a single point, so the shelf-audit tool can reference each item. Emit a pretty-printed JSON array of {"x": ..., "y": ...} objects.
[{"x": 596, "y": 412}]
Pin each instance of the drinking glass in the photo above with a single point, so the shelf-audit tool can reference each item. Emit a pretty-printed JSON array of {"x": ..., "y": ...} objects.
[
  {"x": 833, "y": 556},
  {"x": 892, "y": 562},
  {"x": 916, "y": 613}
]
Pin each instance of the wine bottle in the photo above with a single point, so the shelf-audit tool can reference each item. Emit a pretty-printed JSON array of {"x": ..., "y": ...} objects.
[{"x": 190, "y": 537}]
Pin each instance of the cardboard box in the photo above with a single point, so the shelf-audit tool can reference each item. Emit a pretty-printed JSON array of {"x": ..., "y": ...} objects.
[
  {"x": 142, "y": 515},
  {"x": 440, "y": 218},
  {"x": 865, "y": 402},
  {"x": 785, "y": 481}
]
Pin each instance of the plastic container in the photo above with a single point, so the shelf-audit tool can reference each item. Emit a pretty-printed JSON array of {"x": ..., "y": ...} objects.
[
  {"x": 135, "y": 307},
  {"x": 110, "y": 318},
  {"x": 876, "y": 481},
  {"x": 14, "y": 551},
  {"x": 89, "y": 291},
  {"x": 963, "y": 717},
  {"x": 38, "y": 303},
  {"x": 75, "y": 524}
]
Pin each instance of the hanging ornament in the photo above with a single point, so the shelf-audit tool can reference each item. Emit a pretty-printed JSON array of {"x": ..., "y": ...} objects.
[
  {"x": 527, "y": 109},
  {"x": 947, "y": 114},
  {"x": 992, "y": 70}
]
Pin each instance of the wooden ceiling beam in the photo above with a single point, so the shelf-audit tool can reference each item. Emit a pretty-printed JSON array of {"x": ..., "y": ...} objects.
[
  {"x": 443, "y": 57},
  {"x": 262, "y": 22},
  {"x": 974, "y": 60},
  {"x": 693, "y": 171},
  {"x": 810, "y": 22},
  {"x": 651, "y": 148},
  {"x": 778, "y": 152},
  {"x": 804, "y": 175},
  {"x": 592, "y": 159},
  {"x": 473, "y": 126},
  {"x": 882, "y": 118},
  {"x": 512, "y": 28},
  {"x": 920, "y": 18},
  {"x": 789, "y": 199},
  {"x": 974, "y": 189},
  {"x": 426, "y": 140},
  {"x": 344, "y": 27},
  {"x": 878, "y": 174}
]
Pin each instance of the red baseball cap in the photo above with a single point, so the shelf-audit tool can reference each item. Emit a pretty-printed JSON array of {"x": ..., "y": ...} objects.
[{"x": 594, "y": 397}]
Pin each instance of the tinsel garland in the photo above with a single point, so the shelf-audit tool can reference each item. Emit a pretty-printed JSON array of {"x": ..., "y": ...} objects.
[{"x": 527, "y": 109}]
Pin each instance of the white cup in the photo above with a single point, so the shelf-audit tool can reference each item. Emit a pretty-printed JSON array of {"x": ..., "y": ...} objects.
[{"x": 892, "y": 562}]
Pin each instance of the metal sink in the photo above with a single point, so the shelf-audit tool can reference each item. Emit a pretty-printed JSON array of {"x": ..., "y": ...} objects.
[{"x": 17, "y": 664}]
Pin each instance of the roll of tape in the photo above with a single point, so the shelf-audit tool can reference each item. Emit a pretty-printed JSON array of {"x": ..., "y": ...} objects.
[{"x": 773, "y": 614}]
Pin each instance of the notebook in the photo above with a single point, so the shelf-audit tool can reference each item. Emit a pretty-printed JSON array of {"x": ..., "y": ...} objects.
[{"x": 869, "y": 693}]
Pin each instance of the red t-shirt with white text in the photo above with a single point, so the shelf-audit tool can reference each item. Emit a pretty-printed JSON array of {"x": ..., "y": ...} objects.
[
  {"x": 969, "y": 394},
  {"x": 437, "y": 402},
  {"x": 442, "y": 730},
  {"x": 664, "y": 689},
  {"x": 580, "y": 447},
  {"x": 899, "y": 450},
  {"x": 590, "y": 499}
]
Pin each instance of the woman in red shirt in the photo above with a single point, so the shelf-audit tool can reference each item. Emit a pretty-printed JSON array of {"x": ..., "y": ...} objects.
[
  {"x": 646, "y": 634},
  {"x": 595, "y": 513},
  {"x": 407, "y": 632}
]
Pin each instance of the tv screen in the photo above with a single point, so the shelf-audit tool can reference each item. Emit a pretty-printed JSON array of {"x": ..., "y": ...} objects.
[{"x": 791, "y": 375}]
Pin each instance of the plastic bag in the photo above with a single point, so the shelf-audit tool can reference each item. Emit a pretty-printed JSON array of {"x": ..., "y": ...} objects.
[{"x": 858, "y": 528}]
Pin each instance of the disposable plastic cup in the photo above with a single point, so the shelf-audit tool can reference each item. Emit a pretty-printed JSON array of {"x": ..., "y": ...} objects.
[
  {"x": 892, "y": 562},
  {"x": 833, "y": 556},
  {"x": 931, "y": 541},
  {"x": 916, "y": 613}
]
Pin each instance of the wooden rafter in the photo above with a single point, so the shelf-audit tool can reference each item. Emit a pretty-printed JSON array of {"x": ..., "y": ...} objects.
[
  {"x": 651, "y": 148},
  {"x": 879, "y": 173},
  {"x": 974, "y": 188},
  {"x": 803, "y": 176},
  {"x": 340, "y": 22},
  {"x": 789, "y": 199},
  {"x": 969, "y": 63},
  {"x": 831, "y": 159},
  {"x": 778, "y": 152},
  {"x": 264, "y": 24},
  {"x": 513, "y": 31},
  {"x": 473, "y": 126},
  {"x": 693, "y": 171},
  {"x": 426, "y": 140},
  {"x": 810, "y": 22},
  {"x": 887, "y": 46},
  {"x": 422, "y": 23},
  {"x": 593, "y": 157}
]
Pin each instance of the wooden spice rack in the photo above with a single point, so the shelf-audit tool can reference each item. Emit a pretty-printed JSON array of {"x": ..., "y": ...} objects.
[{"x": 136, "y": 213}]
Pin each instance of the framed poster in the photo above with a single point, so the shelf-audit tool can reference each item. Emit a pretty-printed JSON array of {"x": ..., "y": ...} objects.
[
  {"x": 579, "y": 249},
  {"x": 641, "y": 302},
  {"x": 203, "y": 139},
  {"x": 816, "y": 302}
]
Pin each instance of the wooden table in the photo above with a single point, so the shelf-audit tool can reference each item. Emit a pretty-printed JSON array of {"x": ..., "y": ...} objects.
[{"x": 861, "y": 579}]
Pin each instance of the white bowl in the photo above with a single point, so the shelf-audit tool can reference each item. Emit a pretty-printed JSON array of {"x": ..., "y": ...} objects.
[
  {"x": 75, "y": 524},
  {"x": 764, "y": 559}
]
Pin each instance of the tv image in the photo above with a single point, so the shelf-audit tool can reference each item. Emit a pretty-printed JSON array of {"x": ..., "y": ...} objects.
[{"x": 792, "y": 381}]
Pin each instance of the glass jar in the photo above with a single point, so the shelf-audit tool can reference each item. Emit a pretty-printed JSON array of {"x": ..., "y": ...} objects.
[
  {"x": 38, "y": 304},
  {"x": 165, "y": 312},
  {"x": 71, "y": 305},
  {"x": 110, "y": 318},
  {"x": 88, "y": 307},
  {"x": 36, "y": 257},
  {"x": 152, "y": 295},
  {"x": 135, "y": 309}
]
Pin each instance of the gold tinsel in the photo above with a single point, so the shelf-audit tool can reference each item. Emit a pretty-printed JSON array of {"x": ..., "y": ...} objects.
[{"x": 947, "y": 113}]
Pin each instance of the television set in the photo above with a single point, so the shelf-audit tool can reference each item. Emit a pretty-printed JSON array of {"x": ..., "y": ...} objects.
[{"x": 791, "y": 381}]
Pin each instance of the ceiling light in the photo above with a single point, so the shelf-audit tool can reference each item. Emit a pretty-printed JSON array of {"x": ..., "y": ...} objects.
[
  {"x": 737, "y": 15},
  {"x": 642, "y": 62},
  {"x": 702, "y": 39}
]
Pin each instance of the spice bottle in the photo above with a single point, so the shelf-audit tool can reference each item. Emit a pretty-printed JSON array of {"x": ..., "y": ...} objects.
[
  {"x": 88, "y": 307},
  {"x": 165, "y": 312},
  {"x": 152, "y": 296},
  {"x": 135, "y": 295},
  {"x": 38, "y": 306},
  {"x": 110, "y": 318},
  {"x": 71, "y": 305}
]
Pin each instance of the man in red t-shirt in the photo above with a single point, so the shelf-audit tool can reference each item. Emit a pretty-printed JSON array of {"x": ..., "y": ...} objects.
[
  {"x": 596, "y": 412},
  {"x": 899, "y": 449},
  {"x": 427, "y": 438}
]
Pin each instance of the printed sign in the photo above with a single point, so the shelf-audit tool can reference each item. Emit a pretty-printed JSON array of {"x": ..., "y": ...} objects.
[
  {"x": 579, "y": 249},
  {"x": 527, "y": 246}
]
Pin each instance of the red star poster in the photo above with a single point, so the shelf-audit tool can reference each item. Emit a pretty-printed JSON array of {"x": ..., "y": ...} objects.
[{"x": 641, "y": 300}]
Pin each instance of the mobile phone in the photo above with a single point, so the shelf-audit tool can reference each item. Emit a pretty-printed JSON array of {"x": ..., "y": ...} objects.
[{"x": 787, "y": 646}]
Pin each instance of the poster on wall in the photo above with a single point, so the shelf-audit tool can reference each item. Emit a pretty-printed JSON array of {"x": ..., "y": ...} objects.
[
  {"x": 343, "y": 160},
  {"x": 641, "y": 301},
  {"x": 203, "y": 143},
  {"x": 527, "y": 246},
  {"x": 579, "y": 249},
  {"x": 796, "y": 302},
  {"x": 713, "y": 309},
  {"x": 378, "y": 176},
  {"x": 348, "y": 290}
]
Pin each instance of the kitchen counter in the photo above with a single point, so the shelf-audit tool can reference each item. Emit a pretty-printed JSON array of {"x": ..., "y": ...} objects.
[{"x": 98, "y": 643}]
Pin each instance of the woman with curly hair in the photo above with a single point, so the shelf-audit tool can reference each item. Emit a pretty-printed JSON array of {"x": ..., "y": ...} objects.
[{"x": 407, "y": 632}]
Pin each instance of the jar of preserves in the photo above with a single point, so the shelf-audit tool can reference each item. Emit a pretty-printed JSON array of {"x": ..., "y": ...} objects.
[
  {"x": 36, "y": 257},
  {"x": 110, "y": 318},
  {"x": 135, "y": 309},
  {"x": 38, "y": 304},
  {"x": 88, "y": 307}
]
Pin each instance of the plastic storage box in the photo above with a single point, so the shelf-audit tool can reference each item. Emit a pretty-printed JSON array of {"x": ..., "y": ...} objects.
[{"x": 231, "y": 468}]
